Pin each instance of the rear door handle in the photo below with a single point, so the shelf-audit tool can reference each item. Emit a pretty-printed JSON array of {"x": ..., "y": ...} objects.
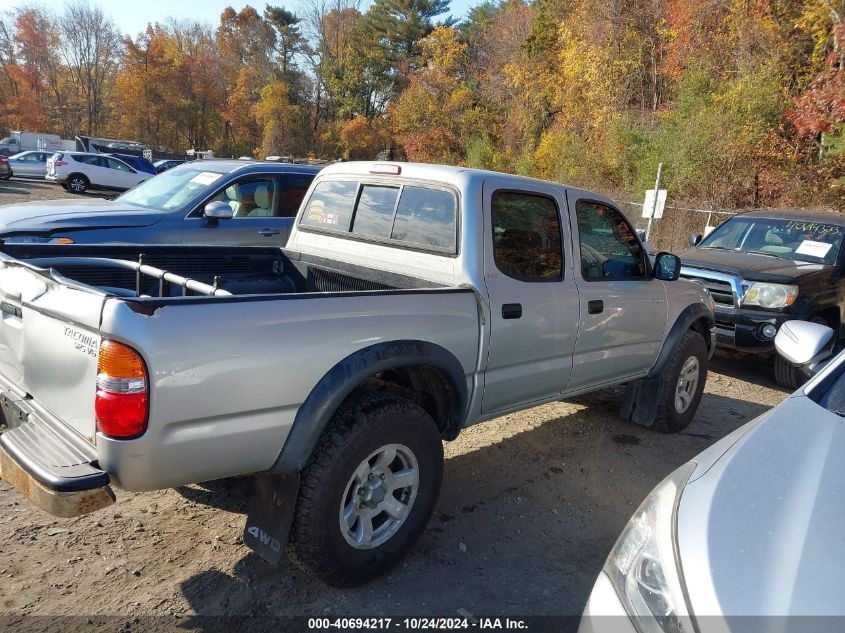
[
  {"x": 595, "y": 307},
  {"x": 269, "y": 232},
  {"x": 511, "y": 310}
]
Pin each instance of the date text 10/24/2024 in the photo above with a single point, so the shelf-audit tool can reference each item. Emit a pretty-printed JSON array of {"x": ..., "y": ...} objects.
[{"x": 409, "y": 624}]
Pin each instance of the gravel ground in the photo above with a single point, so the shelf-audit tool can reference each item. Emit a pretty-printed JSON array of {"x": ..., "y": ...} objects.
[
  {"x": 19, "y": 190},
  {"x": 530, "y": 506}
]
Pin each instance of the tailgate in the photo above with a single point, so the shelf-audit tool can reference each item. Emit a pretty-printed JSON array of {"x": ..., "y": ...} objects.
[{"x": 49, "y": 340}]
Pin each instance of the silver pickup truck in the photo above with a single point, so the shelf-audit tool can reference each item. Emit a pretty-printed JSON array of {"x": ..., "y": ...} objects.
[{"x": 411, "y": 301}]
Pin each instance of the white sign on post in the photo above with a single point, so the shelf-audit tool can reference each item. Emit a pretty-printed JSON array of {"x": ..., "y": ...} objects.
[{"x": 648, "y": 205}]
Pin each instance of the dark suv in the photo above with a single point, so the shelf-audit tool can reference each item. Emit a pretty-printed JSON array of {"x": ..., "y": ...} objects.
[{"x": 767, "y": 267}]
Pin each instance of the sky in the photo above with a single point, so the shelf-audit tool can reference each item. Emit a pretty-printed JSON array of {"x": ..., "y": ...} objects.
[{"x": 132, "y": 16}]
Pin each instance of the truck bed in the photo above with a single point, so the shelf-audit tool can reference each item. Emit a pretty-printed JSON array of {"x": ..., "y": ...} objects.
[
  {"x": 227, "y": 270},
  {"x": 233, "y": 340}
]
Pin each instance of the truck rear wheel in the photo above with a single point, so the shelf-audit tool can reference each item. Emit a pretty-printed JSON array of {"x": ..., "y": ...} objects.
[
  {"x": 368, "y": 489},
  {"x": 683, "y": 384}
]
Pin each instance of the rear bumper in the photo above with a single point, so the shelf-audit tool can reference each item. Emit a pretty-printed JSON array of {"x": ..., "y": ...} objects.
[
  {"x": 740, "y": 330},
  {"x": 48, "y": 462}
]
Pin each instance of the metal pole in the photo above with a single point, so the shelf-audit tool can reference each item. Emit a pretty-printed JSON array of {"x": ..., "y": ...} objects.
[{"x": 654, "y": 205}]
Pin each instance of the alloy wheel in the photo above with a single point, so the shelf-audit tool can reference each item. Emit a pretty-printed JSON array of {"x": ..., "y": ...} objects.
[{"x": 379, "y": 496}]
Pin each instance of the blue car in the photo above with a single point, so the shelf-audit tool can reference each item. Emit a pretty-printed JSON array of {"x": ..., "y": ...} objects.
[
  {"x": 137, "y": 162},
  {"x": 202, "y": 202}
]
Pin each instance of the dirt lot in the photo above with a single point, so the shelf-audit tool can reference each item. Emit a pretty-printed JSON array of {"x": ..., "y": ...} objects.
[
  {"x": 18, "y": 190},
  {"x": 530, "y": 506}
]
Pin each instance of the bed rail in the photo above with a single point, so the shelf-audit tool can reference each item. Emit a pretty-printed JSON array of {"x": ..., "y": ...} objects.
[{"x": 141, "y": 269}]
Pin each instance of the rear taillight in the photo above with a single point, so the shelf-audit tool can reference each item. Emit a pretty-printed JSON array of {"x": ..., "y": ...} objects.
[
  {"x": 121, "y": 401},
  {"x": 3, "y": 159},
  {"x": 59, "y": 163}
]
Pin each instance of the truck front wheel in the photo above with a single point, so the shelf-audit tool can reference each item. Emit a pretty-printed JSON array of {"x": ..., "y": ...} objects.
[
  {"x": 683, "y": 384},
  {"x": 368, "y": 489}
]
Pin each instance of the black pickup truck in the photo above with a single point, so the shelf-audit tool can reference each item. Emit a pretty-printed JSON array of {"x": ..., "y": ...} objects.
[{"x": 766, "y": 267}]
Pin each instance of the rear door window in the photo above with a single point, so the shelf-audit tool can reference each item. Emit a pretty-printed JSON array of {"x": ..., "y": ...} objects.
[
  {"x": 87, "y": 159},
  {"x": 294, "y": 187},
  {"x": 526, "y": 236},
  {"x": 116, "y": 164}
]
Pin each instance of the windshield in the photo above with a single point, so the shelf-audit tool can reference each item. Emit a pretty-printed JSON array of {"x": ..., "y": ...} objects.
[
  {"x": 173, "y": 188},
  {"x": 7, "y": 140},
  {"x": 799, "y": 240}
]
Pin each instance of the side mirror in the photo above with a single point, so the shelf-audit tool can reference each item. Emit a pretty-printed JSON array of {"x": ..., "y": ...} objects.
[
  {"x": 803, "y": 343},
  {"x": 695, "y": 239},
  {"x": 218, "y": 210},
  {"x": 667, "y": 267}
]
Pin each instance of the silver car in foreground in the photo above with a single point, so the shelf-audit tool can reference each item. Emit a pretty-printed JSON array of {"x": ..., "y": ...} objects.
[{"x": 753, "y": 526}]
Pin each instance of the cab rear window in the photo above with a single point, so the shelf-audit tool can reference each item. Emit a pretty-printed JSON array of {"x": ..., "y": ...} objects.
[
  {"x": 330, "y": 205},
  {"x": 416, "y": 216}
]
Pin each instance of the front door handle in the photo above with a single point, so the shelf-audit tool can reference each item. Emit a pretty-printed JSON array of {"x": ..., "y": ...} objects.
[
  {"x": 595, "y": 307},
  {"x": 269, "y": 232},
  {"x": 511, "y": 310}
]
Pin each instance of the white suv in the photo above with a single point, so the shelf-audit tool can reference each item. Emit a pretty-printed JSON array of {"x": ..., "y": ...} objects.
[{"x": 79, "y": 171}]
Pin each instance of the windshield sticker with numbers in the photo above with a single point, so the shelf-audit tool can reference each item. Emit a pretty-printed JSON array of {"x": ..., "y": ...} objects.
[
  {"x": 206, "y": 177},
  {"x": 814, "y": 249}
]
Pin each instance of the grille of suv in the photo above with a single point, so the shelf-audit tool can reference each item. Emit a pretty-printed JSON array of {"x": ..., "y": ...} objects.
[{"x": 722, "y": 291}]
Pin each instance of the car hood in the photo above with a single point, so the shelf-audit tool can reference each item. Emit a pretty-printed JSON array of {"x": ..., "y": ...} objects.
[
  {"x": 749, "y": 266},
  {"x": 760, "y": 532},
  {"x": 87, "y": 213}
]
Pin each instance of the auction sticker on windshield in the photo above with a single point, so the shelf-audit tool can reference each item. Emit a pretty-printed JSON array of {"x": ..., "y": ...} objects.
[
  {"x": 206, "y": 177},
  {"x": 814, "y": 249}
]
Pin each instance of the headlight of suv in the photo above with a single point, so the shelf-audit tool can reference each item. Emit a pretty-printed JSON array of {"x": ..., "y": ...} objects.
[
  {"x": 32, "y": 239},
  {"x": 643, "y": 565},
  {"x": 768, "y": 295}
]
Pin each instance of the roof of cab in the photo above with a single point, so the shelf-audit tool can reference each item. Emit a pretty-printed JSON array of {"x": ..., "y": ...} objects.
[{"x": 447, "y": 173}]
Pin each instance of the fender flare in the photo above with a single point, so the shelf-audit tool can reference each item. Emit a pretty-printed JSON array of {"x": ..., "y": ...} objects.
[
  {"x": 639, "y": 405},
  {"x": 341, "y": 380},
  {"x": 686, "y": 318}
]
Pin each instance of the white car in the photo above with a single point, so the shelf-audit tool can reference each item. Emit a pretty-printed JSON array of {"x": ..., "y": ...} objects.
[
  {"x": 79, "y": 171},
  {"x": 747, "y": 536}
]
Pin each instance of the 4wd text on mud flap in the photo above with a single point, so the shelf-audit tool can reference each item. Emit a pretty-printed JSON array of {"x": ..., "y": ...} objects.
[{"x": 264, "y": 538}]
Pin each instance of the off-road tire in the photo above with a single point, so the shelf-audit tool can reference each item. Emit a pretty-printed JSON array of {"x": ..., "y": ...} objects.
[
  {"x": 668, "y": 419},
  {"x": 78, "y": 183},
  {"x": 363, "y": 424},
  {"x": 787, "y": 375}
]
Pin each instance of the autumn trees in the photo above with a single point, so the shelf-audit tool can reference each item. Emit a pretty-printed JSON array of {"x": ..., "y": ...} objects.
[
  {"x": 743, "y": 100},
  {"x": 58, "y": 69}
]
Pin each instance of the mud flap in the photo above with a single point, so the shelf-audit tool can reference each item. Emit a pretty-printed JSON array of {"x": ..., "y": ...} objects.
[
  {"x": 640, "y": 402},
  {"x": 271, "y": 515}
]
